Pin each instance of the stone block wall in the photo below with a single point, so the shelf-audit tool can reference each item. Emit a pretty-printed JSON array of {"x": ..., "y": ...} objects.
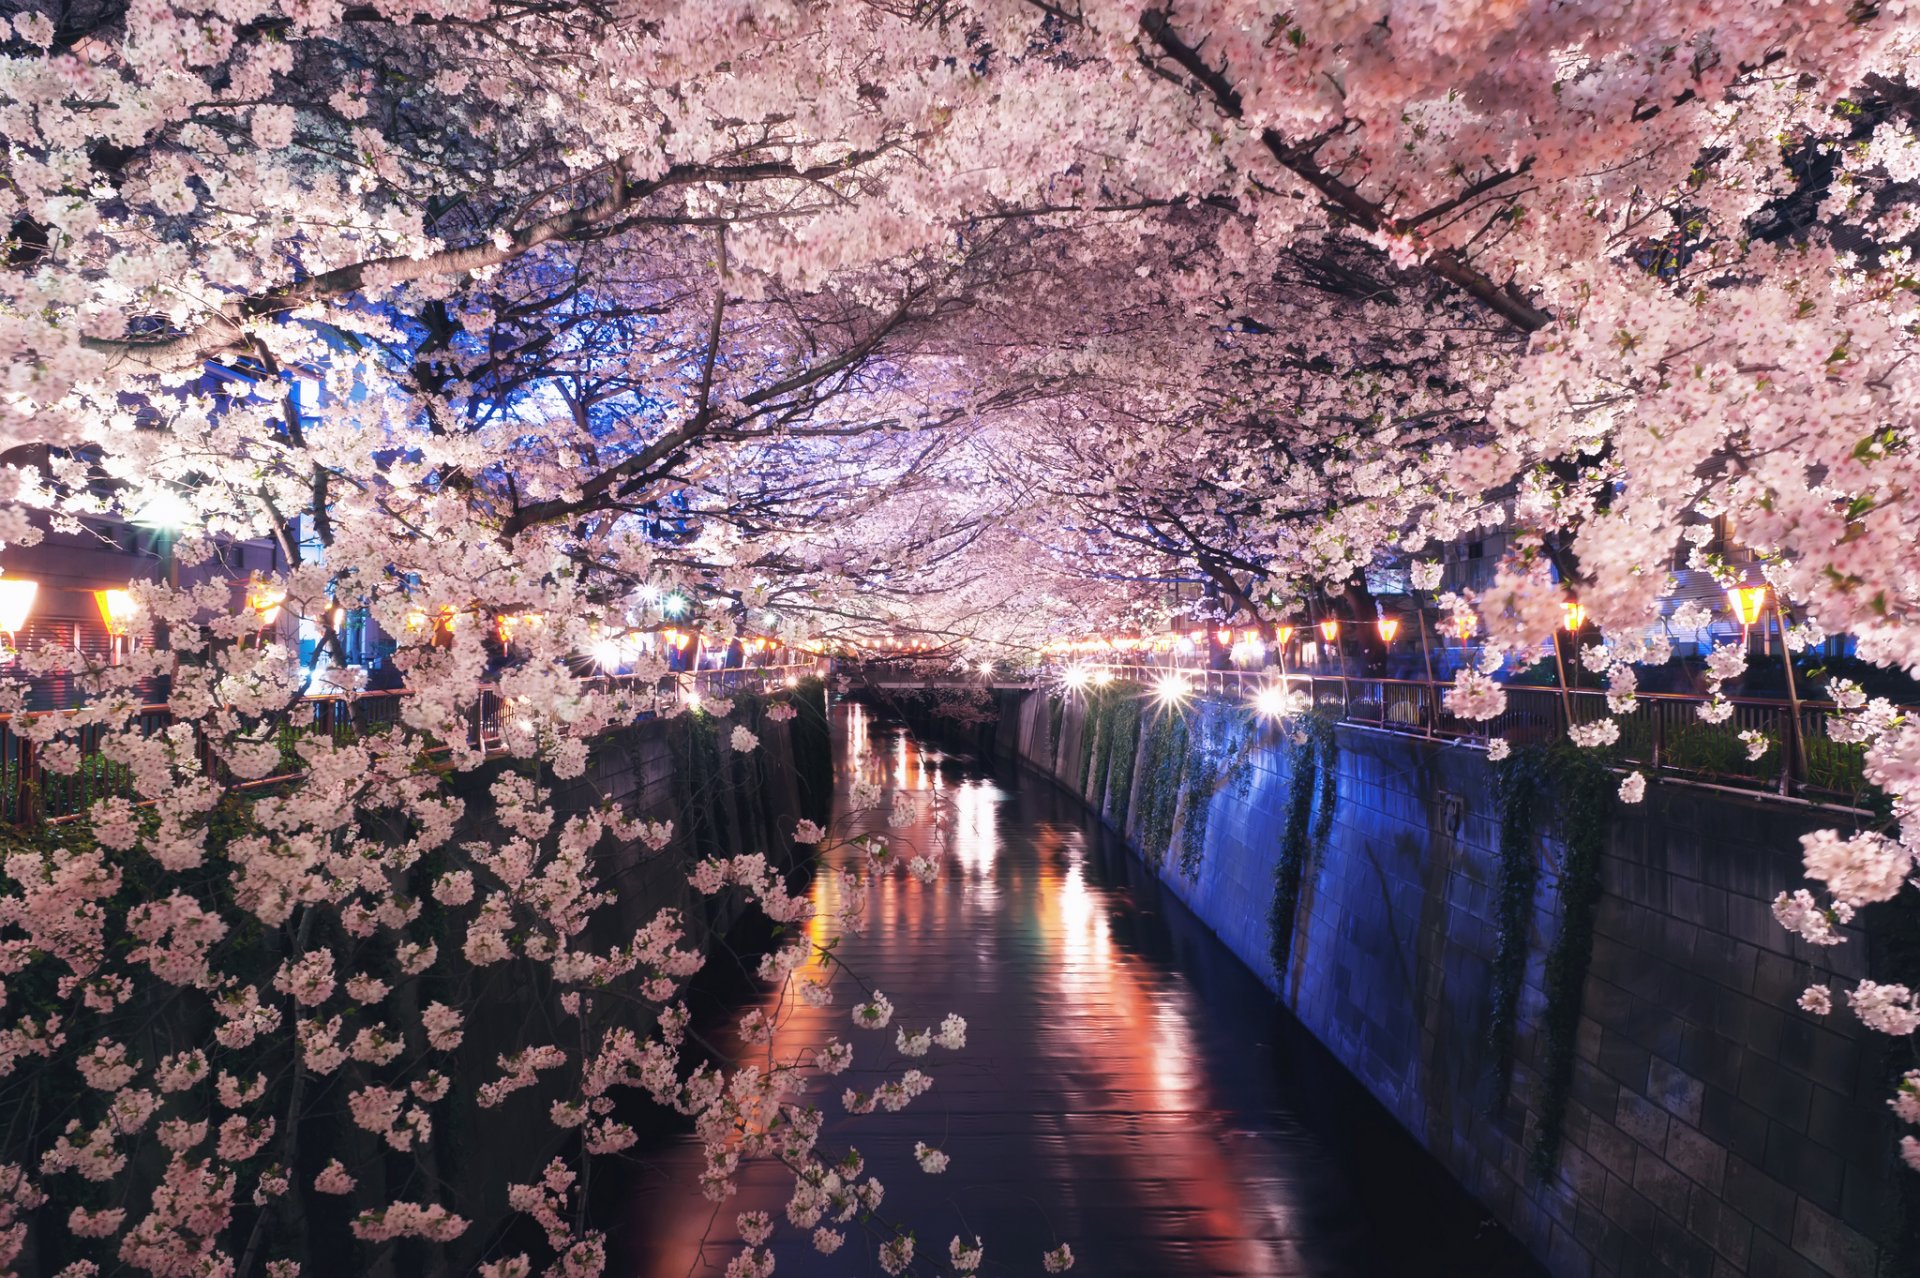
[{"x": 1714, "y": 1129}]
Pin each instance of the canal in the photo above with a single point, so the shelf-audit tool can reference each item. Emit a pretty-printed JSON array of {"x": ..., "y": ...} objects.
[{"x": 1127, "y": 1086}]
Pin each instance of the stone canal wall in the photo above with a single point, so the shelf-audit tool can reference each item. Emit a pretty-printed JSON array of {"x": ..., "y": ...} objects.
[
  {"x": 1710, "y": 1127},
  {"x": 720, "y": 801}
]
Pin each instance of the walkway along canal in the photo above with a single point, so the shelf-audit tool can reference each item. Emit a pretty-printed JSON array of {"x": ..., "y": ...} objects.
[{"x": 1128, "y": 1086}]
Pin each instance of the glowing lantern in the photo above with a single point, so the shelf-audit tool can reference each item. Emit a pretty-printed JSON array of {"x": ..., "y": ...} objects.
[
  {"x": 1330, "y": 629},
  {"x": 1388, "y": 629},
  {"x": 1747, "y": 602},
  {"x": 16, "y": 603},
  {"x": 117, "y": 610},
  {"x": 265, "y": 601},
  {"x": 1225, "y": 637},
  {"x": 1576, "y": 615},
  {"x": 509, "y": 624},
  {"x": 1284, "y": 634},
  {"x": 1463, "y": 625}
]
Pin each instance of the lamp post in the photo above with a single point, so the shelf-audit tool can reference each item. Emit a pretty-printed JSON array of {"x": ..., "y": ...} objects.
[
  {"x": 1330, "y": 631},
  {"x": 1576, "y": 617}
]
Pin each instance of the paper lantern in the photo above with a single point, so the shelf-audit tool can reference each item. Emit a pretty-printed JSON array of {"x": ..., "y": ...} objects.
[
  {"x": 16, "y": 603},
  {"x": 265, "y": 601},
  {"x": 1747, "y": 602},
  {"x": 117, "y": 610}
]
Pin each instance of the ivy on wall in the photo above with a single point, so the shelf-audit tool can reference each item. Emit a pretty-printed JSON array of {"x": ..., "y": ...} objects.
[
  {"x": 1123, "y": 731},
  {"x": 1089, "y": 737},
  {"x": 1311, "y": 763},
  {"x": 1162, "y": 763},
  {"x": 1202, "y": 778},
  {"x": 1516, "y": 782},
  {"x": 1585, "y": 792}
]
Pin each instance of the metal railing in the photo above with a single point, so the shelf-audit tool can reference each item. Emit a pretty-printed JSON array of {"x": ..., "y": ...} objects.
[
  {"x": 31, "y": 793},
  {"x": 1792, "y": 754}
]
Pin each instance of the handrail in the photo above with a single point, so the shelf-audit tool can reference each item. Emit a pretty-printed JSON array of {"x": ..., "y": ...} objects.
[
  {"x": 1790, "y": 752},
  {"x": 31, "y": 795}
]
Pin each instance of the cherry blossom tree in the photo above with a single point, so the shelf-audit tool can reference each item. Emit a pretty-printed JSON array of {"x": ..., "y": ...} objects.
[{"x": 980, "y": 321}]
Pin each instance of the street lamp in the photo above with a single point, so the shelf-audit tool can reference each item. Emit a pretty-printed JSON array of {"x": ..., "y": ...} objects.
[
  {"x": 117, "y": 611},
  {"x": 16, "y": 604}
]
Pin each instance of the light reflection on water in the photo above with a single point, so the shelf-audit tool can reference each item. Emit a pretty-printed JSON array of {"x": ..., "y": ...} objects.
[{"x": 1099, "y": 1100}]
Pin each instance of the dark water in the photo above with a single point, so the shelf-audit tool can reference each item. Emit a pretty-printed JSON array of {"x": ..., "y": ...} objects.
[{"x": 1127, "y": 1087}]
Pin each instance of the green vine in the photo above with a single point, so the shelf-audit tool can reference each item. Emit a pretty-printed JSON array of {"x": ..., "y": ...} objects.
[
  {"x": 1163, "y": 761},
  {"x": 1089, "y": 737},
  {"x": 1516, "y": 782},
  {"x": 1123, "y": 727},
  {"x": 1310, "y": 769},
  {"x": 1202, "y": 777},
  {"x": 1056, "y": 713},
  {"x": 1585, "y": 794}
]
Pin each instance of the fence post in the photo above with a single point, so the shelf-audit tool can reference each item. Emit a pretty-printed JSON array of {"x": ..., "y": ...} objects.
[{"x": 24, "y": 796}]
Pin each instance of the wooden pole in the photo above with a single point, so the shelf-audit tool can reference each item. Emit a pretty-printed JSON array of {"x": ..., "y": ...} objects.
[
  {"x": 1426, "y": 660},
  {"x": 1797, "y": 742}
]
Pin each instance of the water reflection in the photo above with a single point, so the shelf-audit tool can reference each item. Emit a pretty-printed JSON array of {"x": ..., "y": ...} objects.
[{"x": 1104, "y": 1098}]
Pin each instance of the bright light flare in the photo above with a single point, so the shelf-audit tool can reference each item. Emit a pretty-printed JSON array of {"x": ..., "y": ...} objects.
[
  {"x": 164, "y": 509},
  {"x": 1171, "y": 690},
  {"x": 1101, "y": 678},
  {"x": 1076, "y": 678},
  {"x": 1277, "y": 701}
]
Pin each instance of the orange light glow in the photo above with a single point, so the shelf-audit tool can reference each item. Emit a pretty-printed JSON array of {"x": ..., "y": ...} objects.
[
  {"x": 1576, "y": 615},
  {"x": 1284, "y": 634},
  {"x": 117, "y": 610},
  {"x": 16, "y": 603},
  {"x": 265, "y": 601},
  {"x": 1747, "y": 602},
  {"x": 1388, "y": 629},
  {"x": 510, "y": 622},
  {"x": 1330, "y": 629}
]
